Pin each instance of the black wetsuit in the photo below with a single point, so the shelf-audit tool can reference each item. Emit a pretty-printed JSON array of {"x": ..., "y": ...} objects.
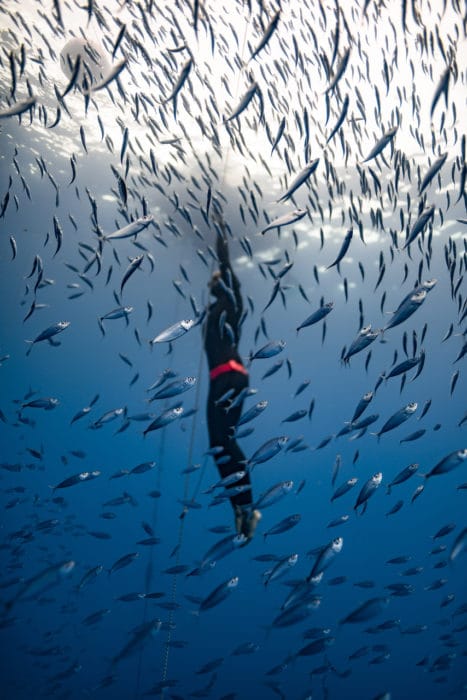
[{"x": 221, "y": 347}]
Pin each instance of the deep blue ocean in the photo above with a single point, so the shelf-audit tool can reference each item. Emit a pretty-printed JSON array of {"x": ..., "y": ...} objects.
[{"x": 89, "y": 604}]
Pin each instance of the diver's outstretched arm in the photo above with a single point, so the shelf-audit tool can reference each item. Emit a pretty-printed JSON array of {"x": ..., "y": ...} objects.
[
  {"x": 222, "y": 249},
  {"x": 227, "y": 273}
]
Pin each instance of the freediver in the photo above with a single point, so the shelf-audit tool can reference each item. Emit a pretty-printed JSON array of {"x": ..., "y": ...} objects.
[{"x": 228, "y": 377}]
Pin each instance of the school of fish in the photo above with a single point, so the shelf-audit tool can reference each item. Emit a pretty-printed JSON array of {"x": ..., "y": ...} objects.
[{"x": 332, "y": 137}]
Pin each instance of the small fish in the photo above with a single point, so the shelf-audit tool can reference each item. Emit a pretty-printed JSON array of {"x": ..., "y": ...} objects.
[
  {"x": 46, "y": 578},
  {"x": 139, "y": 638},
  {"x": 164, "y": 419},
  {"x": 296, "y": 415},
  {"x": 118, "y": 40},
  {"x": 340, "y": 119},
  {"x": 404, "y": 366},
  {"x": 342, "y": 65},
  {"x": 292, "y": 614},
  {"x": 179, "y": 386},
  {"x": 454, "y": 379},
  {"x": 302, "y": 177},
  {"x": 302, "y": 387},
  {"x": 361, "y": 406},
  {"x": 325, "y": 557},
  {"x": 285, "y": 220},
  {"x": 173, "y": 332},
  {"x": 18, "y": 108},
  {"x": 221, "y": 549},
  {"x": 76, "y": 479},
  {"x": 108, "y": 416},
  {"x": 184, "y": 73},
  {"x": 441, "y": 89},
  {"x": 274, "y": 347},
  {"x": 413, "y": 436},
  {"x": 284, "y": 525},
  {"x": 274, "y": 494},
  {"x": 279, "y": 134},
  {"x": 219, "y": 594},
  {"x": 344, "y": 488},
  {"x": 418, "y": 491},
  {"x": 245, "y": 100},
  {"x": 343, "y": 250},
  {"x": 396, "y": 508},
  {"x": 364, "y": 338},
  {"x": 318, "y": 315},
  {"x": 126, "y": 560},
  {"x": 135, "y": 263},
  {"x": 403, "y": 475},
  {"x": 131, "y": 229},
  {"x": 338, "y": 521},
  {"x": 398, "y": 418},
  {"x": 426, "y": 215},
  {"x": 47, "y": 403},
  {"x": 448, "y": 463},
  {"x": 142, "y": 468},
  {"x": 252, "y": 413},
  {"x": 282, "y": 567},
  {"x": 268, "y": 32},
  {"x": 14, "y": 247},
  {"x": 366, "y": 611},
  {"x": 267, "y": 451},
  {"x": 406, "y": 309},
  {"x": 381, "y": 144},
  {"x": 106, "y": 80},
  {"x": 49, "y": 333},
  {"x": 432, "y": 171},
  {"x": 367, "y": 491},
  {"x": 459, "y": 544},
  {"x": 90, "y": 576},
  {"x": 445, "y": 530}
]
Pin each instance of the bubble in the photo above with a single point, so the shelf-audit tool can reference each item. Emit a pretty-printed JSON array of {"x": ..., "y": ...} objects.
[{"x": 94, "y": 65}]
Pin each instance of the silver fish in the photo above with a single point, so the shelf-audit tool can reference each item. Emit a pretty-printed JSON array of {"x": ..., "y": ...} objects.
[
  {"x": 302, "y": 177},
  {"x": 173, "y": 332},
  {"x": 131, "y": 229},
  {"x": 285, "y": 220},
  {"x": 367, "y": 491},
  {"x": 398, "y": 418},
  {"x": 48, "y": 333},
  {"x": 219, "y": 594}
]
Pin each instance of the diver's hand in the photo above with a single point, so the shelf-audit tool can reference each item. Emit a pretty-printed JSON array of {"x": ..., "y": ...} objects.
[{"x": 222, "y": 249}]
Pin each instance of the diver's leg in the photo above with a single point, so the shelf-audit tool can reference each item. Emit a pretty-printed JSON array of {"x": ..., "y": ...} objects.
[{"x": 221, "y": 424}]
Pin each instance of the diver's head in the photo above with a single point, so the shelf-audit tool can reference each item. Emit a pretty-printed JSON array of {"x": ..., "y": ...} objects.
[{"x": 214, "y": 283}]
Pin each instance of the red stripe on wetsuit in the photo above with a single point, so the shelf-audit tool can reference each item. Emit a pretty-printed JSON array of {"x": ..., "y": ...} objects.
[{"x": 230, "y": 366}]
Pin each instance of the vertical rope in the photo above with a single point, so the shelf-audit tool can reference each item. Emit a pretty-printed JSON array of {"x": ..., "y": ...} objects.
[
  {"x": 150, "y": 557},
  {"x": 182, "y": 521}
]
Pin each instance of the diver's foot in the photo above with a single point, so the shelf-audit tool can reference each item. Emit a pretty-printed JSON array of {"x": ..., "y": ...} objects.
[
  {"x": 250, "y": 519},
  {"x": 238, "y": 510},
  {"x": 251, "y": 522}
]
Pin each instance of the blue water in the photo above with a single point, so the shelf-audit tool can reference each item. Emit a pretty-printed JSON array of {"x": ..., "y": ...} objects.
[{"x": 49, "y": 648}]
